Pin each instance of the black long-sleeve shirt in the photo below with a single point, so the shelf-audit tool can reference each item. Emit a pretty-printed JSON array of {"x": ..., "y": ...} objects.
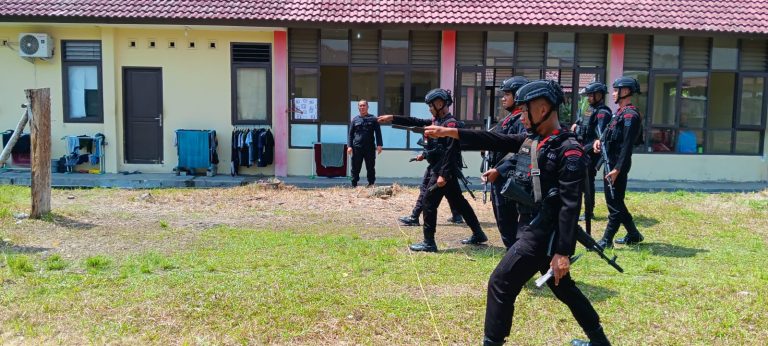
[
  {"x": 620, "y": 136},
  {"x": 562, "y": 165},
  {"x": 447, "y": 166},
  {"x": 362, "y": 131},
  {"x": 596, "y": 116}
]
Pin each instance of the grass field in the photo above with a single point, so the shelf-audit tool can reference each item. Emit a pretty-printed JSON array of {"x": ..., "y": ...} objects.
[{"x": 248, "y": 266}]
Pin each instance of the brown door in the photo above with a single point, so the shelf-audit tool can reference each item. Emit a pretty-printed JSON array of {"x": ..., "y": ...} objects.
[{"x": 143, "y": 114}]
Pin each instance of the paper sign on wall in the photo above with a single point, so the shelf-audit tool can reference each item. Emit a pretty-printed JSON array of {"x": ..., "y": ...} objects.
[{"x": 305, "y": 108}]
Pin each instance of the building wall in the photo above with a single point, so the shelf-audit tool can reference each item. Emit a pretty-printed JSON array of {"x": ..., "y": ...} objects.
[{"x": 196, "y": 85}]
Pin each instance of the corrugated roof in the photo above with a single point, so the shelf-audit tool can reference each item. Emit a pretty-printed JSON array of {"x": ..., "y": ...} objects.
[{"x": 736, "y": 16}]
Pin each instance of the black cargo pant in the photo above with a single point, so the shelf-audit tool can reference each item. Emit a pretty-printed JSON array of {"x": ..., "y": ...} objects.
[
  {"x": 452, "y": 192},
  {"x": 419, "y": 207},
  {"x": 358, "y": 155},
  {"x": 589, "y": 195},
  {"x": 618, "y": 214},
  {"x": 509, "y": 277},
  {"x": 505, "y": 212}
]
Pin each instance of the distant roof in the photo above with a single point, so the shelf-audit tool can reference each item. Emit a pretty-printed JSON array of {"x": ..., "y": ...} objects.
[{"x": 734, "y": 16}]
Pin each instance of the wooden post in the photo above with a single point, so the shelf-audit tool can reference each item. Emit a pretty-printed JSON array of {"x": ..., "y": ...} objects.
[
  {"x": 40, "y": 124},
  {"x": 6, "y": 153}
]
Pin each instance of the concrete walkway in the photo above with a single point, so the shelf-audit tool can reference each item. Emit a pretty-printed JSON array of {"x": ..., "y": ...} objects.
[{"x": 169, "y": 180}]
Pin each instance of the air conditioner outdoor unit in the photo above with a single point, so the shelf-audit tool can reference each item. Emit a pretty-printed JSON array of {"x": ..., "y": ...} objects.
[{"x": 35, "y": 45}]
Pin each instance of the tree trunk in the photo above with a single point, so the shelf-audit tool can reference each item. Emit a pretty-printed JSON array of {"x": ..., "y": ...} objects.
[{"x": 40, "y": 124}]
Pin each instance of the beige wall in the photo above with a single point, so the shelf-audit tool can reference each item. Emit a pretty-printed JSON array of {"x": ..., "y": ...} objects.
[{"x": 196, "y": 84}]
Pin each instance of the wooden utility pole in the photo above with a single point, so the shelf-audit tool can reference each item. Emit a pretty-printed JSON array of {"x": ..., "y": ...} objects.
[{"x": 40, "y": 123}]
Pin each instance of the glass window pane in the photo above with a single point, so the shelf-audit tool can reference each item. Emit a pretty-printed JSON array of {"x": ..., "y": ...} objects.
[
  {"x": 718, "y": 142},
  {"x": 725, "y": 54},
  {"x": 584, "y": 79},
  {"x": 394, "y": 138},
  {"x": 664, "y": 99},
  {"x": 721, "y": 104},
  {"x": 304, "y": 93},
  {"x": 530, "y": 73},
  {"x": 303, "y": 135},
  {"x": 471, "y": 95},
  {"x": 662, "y": 140},
  {"x": 500, "y": 48},
  {"x": 747, "y": 142},
  {"x": 394, "y": 93},
  {"x": 752, "y": 100},
  {"x": 83, "y": 88},
  {"x": 640, "y": 101},
  {"x": 422, "y": 81},
  {"x": 690, "y": 142},
  {"x": 364, "y": 85},
  {"x": 334, "y": 46},
  {"x": 666, "y": 51},
  {"x": 693, "y": 100},
  {"x": 334, "y": 133},
  {"x": 560, "y": 49},
  {"x": 334, "y": 93},
  {"x": 252, "y": 94},
  {"x": 394, "y": 47}
]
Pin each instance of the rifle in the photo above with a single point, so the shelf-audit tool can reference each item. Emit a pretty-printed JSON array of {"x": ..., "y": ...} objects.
[
  {"x": 546, "y": 216},
  {"x": 604, "y": 155},
  {"x": 486, "y": 164},
  {"x": 544, "y": 278},
  {"x": 415, "y": 129}
]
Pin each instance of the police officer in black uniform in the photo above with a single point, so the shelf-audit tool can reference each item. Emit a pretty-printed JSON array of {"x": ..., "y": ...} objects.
[
  {"x": 505, "y": 210},
  {"x": 549, "y": 161},
  {"x": 620, "y": 137},
  {"x": 413, "y": 218},
  {"x": 444, "y": 158},
  {"x": 361, "y": 143},
  {"x": 596, "y": 115}
]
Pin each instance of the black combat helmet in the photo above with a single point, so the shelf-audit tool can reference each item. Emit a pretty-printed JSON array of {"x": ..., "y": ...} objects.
[
  {"x": 438, "y": 93},
  {"x": 627, "y": 82},
  {"x": 594, "y": 87},
  {"x": 547, "y": 89},
  {"x": 512, "y": 85}
]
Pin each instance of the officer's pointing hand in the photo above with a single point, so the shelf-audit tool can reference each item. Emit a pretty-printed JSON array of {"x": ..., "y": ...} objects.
[
  {"x": 596, "y": 147},
  {"x": 384, "y": 119},
  {"x": 433, "y": 131},
  {"x": 491, "y": 175},
  {"x": 560, "y": 265},
  {"x": 441, "y": 181},
  {"x": 349, "y": 151}
]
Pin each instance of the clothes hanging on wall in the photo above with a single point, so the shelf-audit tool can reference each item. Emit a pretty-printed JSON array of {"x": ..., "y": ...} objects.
[{"x": 251, "y": 147}]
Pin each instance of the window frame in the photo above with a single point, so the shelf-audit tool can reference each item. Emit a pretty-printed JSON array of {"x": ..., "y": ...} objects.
[
  {"x": 234, "y": 66},
  {"x": 65, "y": 65}
]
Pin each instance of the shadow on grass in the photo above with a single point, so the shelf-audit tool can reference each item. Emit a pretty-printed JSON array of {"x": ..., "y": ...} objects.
[
  {"x": 10, "y": 248},
  {"x": 667, "y": 250},
  {"x": 67, "y": 222},
  {"x": 483, "y": 251},
  {"x": 593, "y": 292},
  {"x": 644, "y": 221}
]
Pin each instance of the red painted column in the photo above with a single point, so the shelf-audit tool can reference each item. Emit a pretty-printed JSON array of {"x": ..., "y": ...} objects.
[
  {"x": 448, "y": 61},
  {"x": 616, "y": 62},
  {"x": 280, "y": 103}
]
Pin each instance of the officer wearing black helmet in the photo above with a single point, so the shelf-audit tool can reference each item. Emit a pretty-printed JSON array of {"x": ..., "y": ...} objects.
[
  {"x": 548, "y": 161},
  {"x": 620, "y": 137},
  {"x": 444, "y": 158},
  {"x": 596, "y": 115},
  {"x": 505, "y": 210}
]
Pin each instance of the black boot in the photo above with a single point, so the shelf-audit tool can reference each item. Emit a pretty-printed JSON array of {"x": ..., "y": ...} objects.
[
  {"x": 596, "y": 338},
  {"x": 428, "y": 245},
  {"x": 630, "y": 239},
  {"x": 457, "y": 219},
  {"x": 477, "y": 238},
  {"x": 605, "y": 243},
  {"x": 489, "y": 342},
  {"x": 409, "y": 220}
]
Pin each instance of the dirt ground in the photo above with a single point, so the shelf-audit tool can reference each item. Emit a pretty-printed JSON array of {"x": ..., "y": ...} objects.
[{"x": 120, "y": 222}]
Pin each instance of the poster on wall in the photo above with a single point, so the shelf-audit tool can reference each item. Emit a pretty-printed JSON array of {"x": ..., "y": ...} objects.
[{"x": 305, "y": 108}]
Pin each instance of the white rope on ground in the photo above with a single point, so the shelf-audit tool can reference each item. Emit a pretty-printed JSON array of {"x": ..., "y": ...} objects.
[{"x": 421, "y": 286}]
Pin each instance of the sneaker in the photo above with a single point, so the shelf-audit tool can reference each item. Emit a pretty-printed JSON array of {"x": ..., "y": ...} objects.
[
  {"x": 629, "y": 240},
  {"x": 409, "y": 221},
  {"x": 457, "y": 219},
  {"x": 475, "y": 239},
  {"x": 605, "y": 243},
  {"x": 424, "y": 246}
]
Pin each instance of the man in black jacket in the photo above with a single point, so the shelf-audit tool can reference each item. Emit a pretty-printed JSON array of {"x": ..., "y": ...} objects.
[
  {"x": 620, "y": 137},
  {"x": 361, "y": 145},
  {"x": 444, "y": 158},
  {"x": 551, "y": 162}
]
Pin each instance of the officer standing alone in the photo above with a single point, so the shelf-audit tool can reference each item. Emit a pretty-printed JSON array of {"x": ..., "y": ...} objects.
[
  {"x": 620, "y": 137},
  {"x": 361, "y": 143},
  {"x": 444, "y": 159},
  {"x": 596, "y": 115},
  {"x": 547, "y": 160}
]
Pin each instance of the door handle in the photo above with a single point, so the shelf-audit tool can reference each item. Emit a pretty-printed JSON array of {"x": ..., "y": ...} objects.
[{"x": 160, "y": 120}]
